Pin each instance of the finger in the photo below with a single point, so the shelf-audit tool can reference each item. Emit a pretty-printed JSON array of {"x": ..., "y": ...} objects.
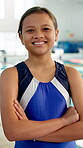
[
  {"x": 19, "y": 116},
  {"x": 17, "y": 103},
  {"x": 18, "y": 109}
]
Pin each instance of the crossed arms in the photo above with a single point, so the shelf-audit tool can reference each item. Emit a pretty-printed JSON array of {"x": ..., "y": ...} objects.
[{"x": 17, "y": 126}]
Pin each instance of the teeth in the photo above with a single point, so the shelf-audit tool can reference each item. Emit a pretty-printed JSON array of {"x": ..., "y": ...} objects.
[{"x": 39, "y": 43}]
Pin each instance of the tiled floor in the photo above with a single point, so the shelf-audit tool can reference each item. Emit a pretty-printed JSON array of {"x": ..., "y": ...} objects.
[{"x": 4, "y": 143}]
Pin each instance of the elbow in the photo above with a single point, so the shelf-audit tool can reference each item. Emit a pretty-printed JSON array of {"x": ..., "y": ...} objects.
[
  {"x": 10, "y": 135},
  {"x": 11, "y": 131}
]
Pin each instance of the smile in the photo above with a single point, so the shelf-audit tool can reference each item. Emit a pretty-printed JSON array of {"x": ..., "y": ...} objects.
[{"x": 39, "y": 43}]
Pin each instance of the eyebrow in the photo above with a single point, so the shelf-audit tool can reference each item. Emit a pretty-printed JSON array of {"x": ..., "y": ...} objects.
[
  {"x": 46, "y": 25},
  {"x": 34, "y": 26},
  {"x": 28, "y": 27}
]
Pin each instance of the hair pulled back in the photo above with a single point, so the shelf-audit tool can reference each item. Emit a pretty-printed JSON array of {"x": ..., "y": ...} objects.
[{"x": 37, "y": 10}]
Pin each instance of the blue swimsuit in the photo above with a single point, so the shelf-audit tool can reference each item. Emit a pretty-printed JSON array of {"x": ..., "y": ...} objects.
[{"x": 43, "y": 101}]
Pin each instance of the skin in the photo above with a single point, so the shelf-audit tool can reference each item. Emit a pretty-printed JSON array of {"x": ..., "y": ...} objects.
[{"x": 38, "y": 36}]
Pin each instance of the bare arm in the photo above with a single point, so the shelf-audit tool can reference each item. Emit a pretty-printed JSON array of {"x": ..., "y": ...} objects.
[{"x": 15, "y": 129}]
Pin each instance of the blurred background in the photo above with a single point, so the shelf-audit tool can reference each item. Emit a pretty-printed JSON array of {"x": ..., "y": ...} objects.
[{"x": 68, "y": 50}]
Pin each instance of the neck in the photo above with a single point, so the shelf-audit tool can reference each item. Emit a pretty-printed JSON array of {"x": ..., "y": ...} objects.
[{"x": 40, "y": 61}]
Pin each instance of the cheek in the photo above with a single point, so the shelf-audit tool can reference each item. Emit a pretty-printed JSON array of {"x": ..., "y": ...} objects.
[
  {"x": 26, "y": 37},
  {"x": 53, "y": 35},
  {"x": 53, "y": 38},
  {"x": 25, "y": 40}
]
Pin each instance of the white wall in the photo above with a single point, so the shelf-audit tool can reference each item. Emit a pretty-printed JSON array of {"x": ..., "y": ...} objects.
[
  {"x": 9, "y": 24},
  {"x": 69, "y": 15}
]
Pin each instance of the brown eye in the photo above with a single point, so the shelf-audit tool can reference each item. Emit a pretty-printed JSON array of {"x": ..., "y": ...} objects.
[
  {"x": 30, "y": 30},
  {"x": 46, "y": 29}
]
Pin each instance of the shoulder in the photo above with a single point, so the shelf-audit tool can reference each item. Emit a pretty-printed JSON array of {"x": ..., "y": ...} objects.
[
  {"x": 74, "y": 75},
  {"x": 72, "y": 71},
  {"x": 9, "y": 74}
]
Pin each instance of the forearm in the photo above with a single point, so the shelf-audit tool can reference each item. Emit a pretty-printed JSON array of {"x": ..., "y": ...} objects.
[
  {"x": 30, "y": 130},
  {"x": 69, "y": 133},
  {"x": 24, "y": 129}
]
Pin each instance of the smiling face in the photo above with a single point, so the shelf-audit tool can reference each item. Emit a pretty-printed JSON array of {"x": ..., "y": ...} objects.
[{"x": 38, "y": 33}]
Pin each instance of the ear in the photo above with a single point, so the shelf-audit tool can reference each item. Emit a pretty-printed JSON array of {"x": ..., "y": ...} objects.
[
  {"x": 21, "y": 38},
  {"x": 56, "y": 34}
]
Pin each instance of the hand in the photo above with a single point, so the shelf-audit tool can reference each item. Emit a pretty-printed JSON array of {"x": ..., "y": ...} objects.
[
  {"x": 71, "y": 116},
  {"x": 19, "y": 111}
]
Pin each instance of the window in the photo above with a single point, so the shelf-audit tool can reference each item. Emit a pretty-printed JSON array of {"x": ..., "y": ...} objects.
[
  {"x": 20, "y": 6},
  {"x": 2, "y": 9}
]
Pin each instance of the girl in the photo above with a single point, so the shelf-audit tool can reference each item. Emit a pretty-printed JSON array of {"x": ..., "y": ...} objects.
[{"x": 43, "y": 88}]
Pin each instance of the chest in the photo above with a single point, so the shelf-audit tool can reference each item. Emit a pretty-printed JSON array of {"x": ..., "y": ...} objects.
[{"x": 43, "y": 101}]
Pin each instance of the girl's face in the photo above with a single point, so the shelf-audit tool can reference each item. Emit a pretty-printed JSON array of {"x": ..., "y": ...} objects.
[{"x": 38, "y": 33}]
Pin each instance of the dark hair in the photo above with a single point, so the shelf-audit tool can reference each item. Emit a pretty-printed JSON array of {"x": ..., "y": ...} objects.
[{"x": 37, "y": 10}]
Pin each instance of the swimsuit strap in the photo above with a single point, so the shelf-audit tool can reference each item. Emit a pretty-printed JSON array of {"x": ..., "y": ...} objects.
[
  {"x": 25, "y": 77},
  {"x": 61, "y": 76}
]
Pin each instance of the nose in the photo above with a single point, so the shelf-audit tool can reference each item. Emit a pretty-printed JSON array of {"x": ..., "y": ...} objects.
[{"x": 38, "y": 34}]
